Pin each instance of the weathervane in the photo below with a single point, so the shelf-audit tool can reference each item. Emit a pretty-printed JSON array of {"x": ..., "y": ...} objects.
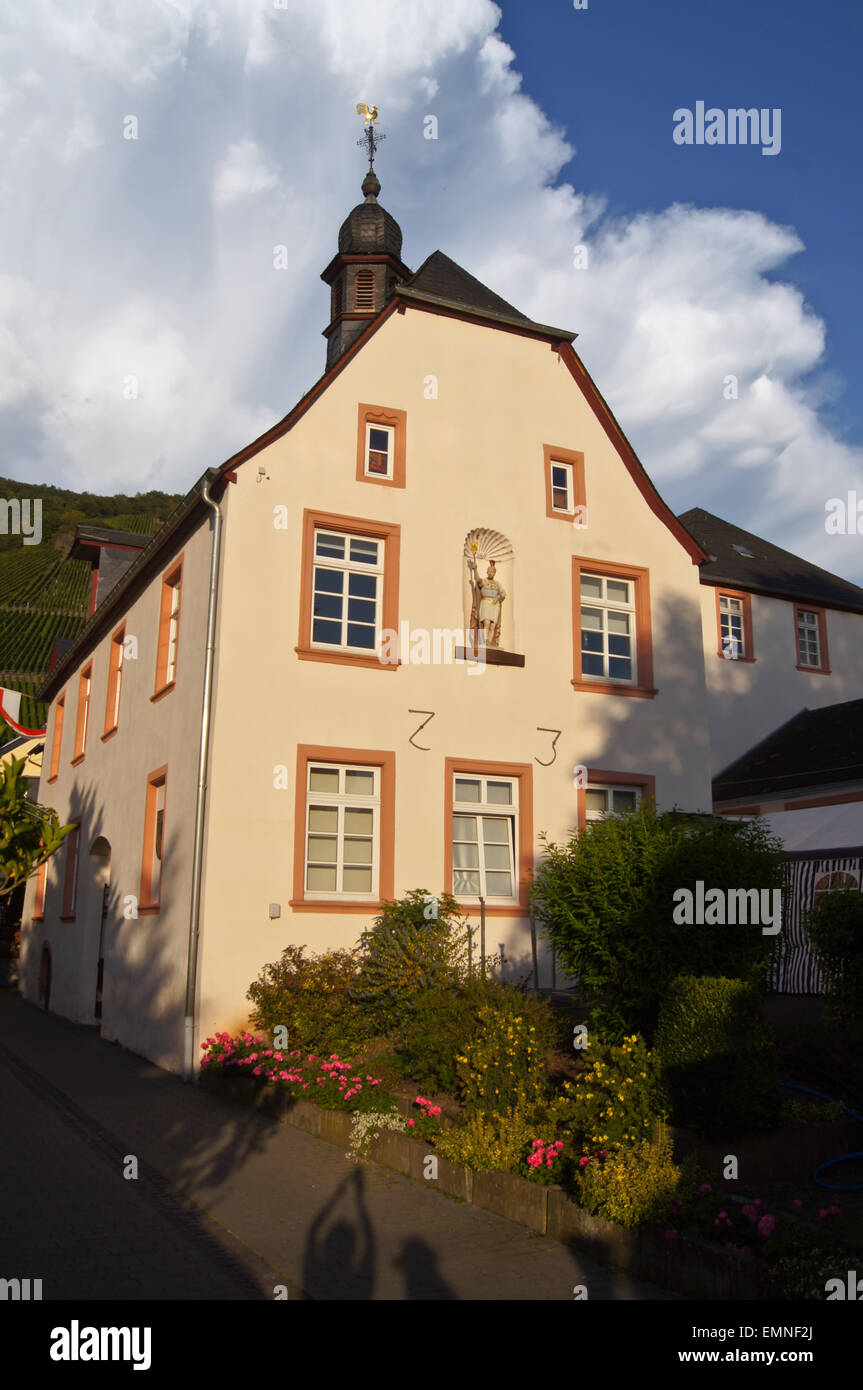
[{"x": 371, "y": 137}]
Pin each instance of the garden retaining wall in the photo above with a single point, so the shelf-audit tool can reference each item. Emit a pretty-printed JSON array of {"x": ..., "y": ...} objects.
[{"x": 685, "y": 1265}]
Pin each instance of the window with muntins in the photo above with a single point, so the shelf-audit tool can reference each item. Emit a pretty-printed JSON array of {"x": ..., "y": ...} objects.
[
  {"x": 348, "y": 574},
  {"x": 808, "y": 646},
  {"x": 562, "y": 487},
  {"x": 485, "y": 837},
  {"x": 731, "y": 627},
  {"x": 380, "y": 450},
  {"x": 342, "y": 850},
  {"x": 607, "y": 628},
  {"x": 601, "y": 801}
]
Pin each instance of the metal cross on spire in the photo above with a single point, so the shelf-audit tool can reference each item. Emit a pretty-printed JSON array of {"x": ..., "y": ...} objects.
[{"x": 371, "y": 137}]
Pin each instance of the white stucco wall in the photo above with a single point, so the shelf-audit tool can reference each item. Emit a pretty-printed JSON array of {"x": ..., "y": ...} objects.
[{"x": 749, "y": 700}]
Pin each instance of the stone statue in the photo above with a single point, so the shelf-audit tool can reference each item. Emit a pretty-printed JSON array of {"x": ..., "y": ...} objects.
[{"x": 488, "y": 595}]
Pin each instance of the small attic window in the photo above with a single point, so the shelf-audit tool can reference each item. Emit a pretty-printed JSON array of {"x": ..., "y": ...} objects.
[
  {"x": 744, "y": 550},
  {"x": 364, "y": 290}
]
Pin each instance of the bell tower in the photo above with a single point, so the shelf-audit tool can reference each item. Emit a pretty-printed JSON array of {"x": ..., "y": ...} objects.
[{"x": 368, "y": 265}]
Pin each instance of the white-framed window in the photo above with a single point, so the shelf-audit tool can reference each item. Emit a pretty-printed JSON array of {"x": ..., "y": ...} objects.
[
  {"x": 119, "y": 658},
  {"x": 601, "y": 800},
  {"x": 343, "y": 817},
  {"x": 346, "y": 591},
  {"x": 607, "y": 629},
  {"x": 173, "y": 632},
  {"x": 808, "y": 638},
  {"x": 562, "y": 487},
  {"x": 731, "y": 628},
  {"x": 380, "y": 450},
  {"x": 485, "y": 837}
]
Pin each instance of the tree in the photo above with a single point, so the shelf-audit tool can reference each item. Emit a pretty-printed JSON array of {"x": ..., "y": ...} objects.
[
  {"x": 29, "y": 833},
  {"x": 607, "y": 900},
  {"x": 835, "y": 927}
]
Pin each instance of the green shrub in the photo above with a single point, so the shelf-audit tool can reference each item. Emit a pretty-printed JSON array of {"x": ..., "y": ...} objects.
[
  {"x": 615, "y": 1100},
  {"x": 417, "y": 943},
  {"x": 803, "y": 1110},
  {"x": 835, "y": 927},
  {"x": 633, "y": 1185},
  {"x": 491, "y": 1140},
  {"x": 436, "y": 1024},
  {"x": 504, "y": 1061},
  {"x": 718, "y": 1057},
  {"x": 311, "y": 998},
  {"x": 607, "y": 901}
]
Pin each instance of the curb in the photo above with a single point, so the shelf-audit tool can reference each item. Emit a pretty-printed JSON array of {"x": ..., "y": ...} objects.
[{"x": 687, "y": 1266}]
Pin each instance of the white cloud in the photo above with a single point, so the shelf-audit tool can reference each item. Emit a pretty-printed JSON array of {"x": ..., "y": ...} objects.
[
  {"x": 243, "y": 173},
  {"x": 138, "y": 262}
]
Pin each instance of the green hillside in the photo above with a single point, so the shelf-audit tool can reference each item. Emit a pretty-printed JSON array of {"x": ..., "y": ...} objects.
[{"x": 43, "y": 594}]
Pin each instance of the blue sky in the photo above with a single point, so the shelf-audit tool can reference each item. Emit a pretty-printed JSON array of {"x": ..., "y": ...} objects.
[
  {"x": 614, "y": 74},
  {"x": 150, "y": 260}
]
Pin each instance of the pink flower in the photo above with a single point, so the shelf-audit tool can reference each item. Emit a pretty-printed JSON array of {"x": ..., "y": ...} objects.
[
  {"x": 411, "y": 1122},
  {"x": 705, "y": 1187},
  {"x": 583, "y": 1161},
  {"x": 766, "y": 1225},
  {"x": 797, "y": 1202},
  {"x": 751, "y": 1214},
  {"x": 537, "y": 1144}
]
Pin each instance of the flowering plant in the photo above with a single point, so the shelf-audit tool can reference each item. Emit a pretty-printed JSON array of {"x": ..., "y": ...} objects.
[
  {"x": 544, "y": 1161},
  {"x": 426, "y": 1124},
  {"x": 329, "y": 1081}
]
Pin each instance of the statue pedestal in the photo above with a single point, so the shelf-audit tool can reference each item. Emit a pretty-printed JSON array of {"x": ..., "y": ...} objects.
[{"x": 489, "y": 656}]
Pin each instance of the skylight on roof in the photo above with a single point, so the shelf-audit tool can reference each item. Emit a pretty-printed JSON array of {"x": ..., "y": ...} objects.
[{"x": 744, "y": 550}]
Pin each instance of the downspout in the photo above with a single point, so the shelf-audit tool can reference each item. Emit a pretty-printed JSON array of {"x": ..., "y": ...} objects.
[{"x": 200, "y": 797}]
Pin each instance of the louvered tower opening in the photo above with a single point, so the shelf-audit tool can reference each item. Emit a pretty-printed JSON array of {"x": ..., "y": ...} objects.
[{"x": 364, "y": 291}]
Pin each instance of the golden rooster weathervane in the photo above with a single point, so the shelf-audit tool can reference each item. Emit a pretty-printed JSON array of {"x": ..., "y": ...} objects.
[{"x": 371, "y": 137}]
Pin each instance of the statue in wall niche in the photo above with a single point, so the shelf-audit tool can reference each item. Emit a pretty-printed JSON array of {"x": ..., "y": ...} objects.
[{"x": 487, "y": 594}]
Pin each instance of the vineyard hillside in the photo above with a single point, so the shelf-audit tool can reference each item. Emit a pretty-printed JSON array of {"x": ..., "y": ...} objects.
[{"x": 44, "y": 594}]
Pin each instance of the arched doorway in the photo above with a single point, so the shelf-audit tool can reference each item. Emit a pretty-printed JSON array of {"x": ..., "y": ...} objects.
[{"x": 45, "y": 977}]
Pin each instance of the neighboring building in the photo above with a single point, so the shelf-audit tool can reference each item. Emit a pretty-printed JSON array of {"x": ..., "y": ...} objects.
[
  {"x": 780, "y": 636},
  {"x": 109, "y": 554},
  {"x": 446, "y": 420}
]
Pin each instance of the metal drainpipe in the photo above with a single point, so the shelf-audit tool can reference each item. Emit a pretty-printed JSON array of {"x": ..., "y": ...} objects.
[{"x": 198, "y": 859}]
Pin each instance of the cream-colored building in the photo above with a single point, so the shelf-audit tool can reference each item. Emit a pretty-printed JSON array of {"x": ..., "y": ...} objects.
[{"x": 283, "y": 712}]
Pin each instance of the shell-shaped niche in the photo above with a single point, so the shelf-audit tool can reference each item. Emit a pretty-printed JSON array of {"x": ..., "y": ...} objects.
[{"x": 490, "y": 545}]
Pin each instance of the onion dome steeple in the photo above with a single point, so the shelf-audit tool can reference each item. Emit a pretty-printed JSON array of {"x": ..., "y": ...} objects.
[{"x": 368, "y": 265}]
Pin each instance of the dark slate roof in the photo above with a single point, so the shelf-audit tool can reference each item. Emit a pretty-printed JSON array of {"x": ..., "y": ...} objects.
[
  {"x": 440, "y": 280},
  {"x": 818, "y": 746},
  {"x": 768, "y": 570},
  {"x": 103, "y": 535}
]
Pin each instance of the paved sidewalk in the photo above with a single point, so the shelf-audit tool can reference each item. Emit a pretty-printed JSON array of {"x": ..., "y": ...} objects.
[{"x": 228, "y": 1204}]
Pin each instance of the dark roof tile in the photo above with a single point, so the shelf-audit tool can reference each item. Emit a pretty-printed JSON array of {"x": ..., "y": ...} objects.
[{"x": 766, "y": 569}]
